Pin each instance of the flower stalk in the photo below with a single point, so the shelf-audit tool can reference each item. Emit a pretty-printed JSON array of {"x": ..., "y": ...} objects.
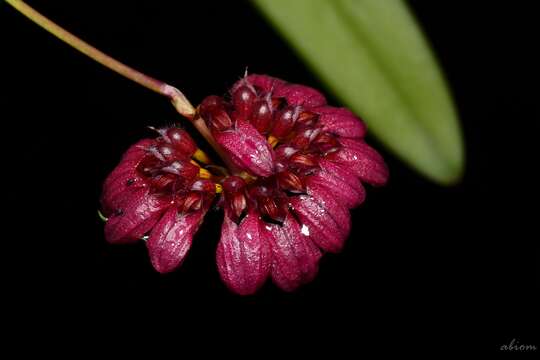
[
  {"x": 177, "y": 98},
  {"x": 104, "y": 59},
  {"x": 295, "y": 166},
  {"x": 284, "y": 208}
]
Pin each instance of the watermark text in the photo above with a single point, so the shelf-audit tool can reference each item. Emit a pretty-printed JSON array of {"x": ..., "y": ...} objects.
[{"x": 515, "y": 345}]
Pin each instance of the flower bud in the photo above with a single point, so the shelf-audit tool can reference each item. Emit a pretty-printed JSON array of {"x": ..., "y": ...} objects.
[
  {"x": 181, "y": 141},
  {"x": 261, "y": 116},
  {"x": 303, "y": 161},
  {"x": 289, "y": 181},
  {"x": 243, "y": 99},
  {"x": 326, "y": 142},
  {"x": 233, "y": 184},
  {"x": 284, "y": 122},
  {"x": 167, "y": 152},
  {"x": 213, "y": 111},
  {"x": 272, "y": 208},
  {"x": 307, "y": 118},
  {"x": 303, "y": 139},
  {"x": 233, "y": 187}
]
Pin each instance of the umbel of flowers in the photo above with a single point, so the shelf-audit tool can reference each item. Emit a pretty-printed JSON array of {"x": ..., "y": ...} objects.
[{"x": 295, "y": 167}]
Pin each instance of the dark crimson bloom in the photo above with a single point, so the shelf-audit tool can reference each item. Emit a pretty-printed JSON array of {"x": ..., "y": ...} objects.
[
  {"x": 299, "y": 166},
  {"x": 156, "y": 191}
]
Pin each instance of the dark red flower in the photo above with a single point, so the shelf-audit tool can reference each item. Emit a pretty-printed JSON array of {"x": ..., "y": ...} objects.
[
  {"x": 156, "y": 191},
  {"x": 300, "y": 166}
]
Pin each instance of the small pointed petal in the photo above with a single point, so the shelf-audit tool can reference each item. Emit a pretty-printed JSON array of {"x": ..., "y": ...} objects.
[
  {"x": 171, "y": 239},
  {"x": 296, "y": 94},
  {"x": 341, "y": 122},
  {"x": 344, "y": 185},
  {"x": 362, "y": 160},
  {"x": 247, "y": 148},
  {"x": 295, "y": 259},
  {"x": 243, "y": 254},
  {"x": 138, "y": 214}
]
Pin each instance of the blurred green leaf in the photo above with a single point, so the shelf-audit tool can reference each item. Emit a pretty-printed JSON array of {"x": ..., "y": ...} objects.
[{"x": 372, "y": 54}]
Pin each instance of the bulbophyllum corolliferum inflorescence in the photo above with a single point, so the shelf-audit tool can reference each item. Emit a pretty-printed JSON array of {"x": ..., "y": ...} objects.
[{"x": 297, "y": 165}]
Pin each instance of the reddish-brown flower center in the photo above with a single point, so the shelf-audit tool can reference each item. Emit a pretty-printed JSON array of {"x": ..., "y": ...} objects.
[
  {"x": 169, "y": 172},
  {"x": 298, "y": 142}
]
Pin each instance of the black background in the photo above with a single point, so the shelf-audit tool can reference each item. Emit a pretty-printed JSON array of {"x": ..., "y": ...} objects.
[{"x": 426, "y": 267}]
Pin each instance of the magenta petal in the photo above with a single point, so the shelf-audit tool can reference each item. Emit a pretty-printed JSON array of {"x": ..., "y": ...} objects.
[
  {"x": 247, "y": 148},
  {"x": 327, "y": 232},
  {"x": 340, "y": 121},
  {"x": 138, "y": 214},
  {"x": 171, "y": 238},
  {"x": 138, "y": 150},
  {"x": 295, "y": 257},
  {"x": 362, "y": 160},
  {"x": 130, "y": 159},
  {"x": 341, "y": 183},
  {"x": 264, "y": 82},
  {"x": 124, "y": 177},
  {"x": 119, "y": 187},
  {"x": 336, "y": 210},
  {"x": 296, "y": 94},
  {"x": 243, "y": 254}
]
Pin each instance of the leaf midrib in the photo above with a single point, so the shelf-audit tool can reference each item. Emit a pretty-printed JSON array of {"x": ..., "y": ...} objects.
[{"x": 384, "y": 72}]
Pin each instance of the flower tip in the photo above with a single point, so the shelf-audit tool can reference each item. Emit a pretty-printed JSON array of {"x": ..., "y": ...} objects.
[
  {"x": 171, "y": 238},
  {"x": 243, "y": 254}
]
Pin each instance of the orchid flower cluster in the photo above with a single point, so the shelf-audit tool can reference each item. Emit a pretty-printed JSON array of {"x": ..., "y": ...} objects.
[{"x": 294, "y": 167}]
